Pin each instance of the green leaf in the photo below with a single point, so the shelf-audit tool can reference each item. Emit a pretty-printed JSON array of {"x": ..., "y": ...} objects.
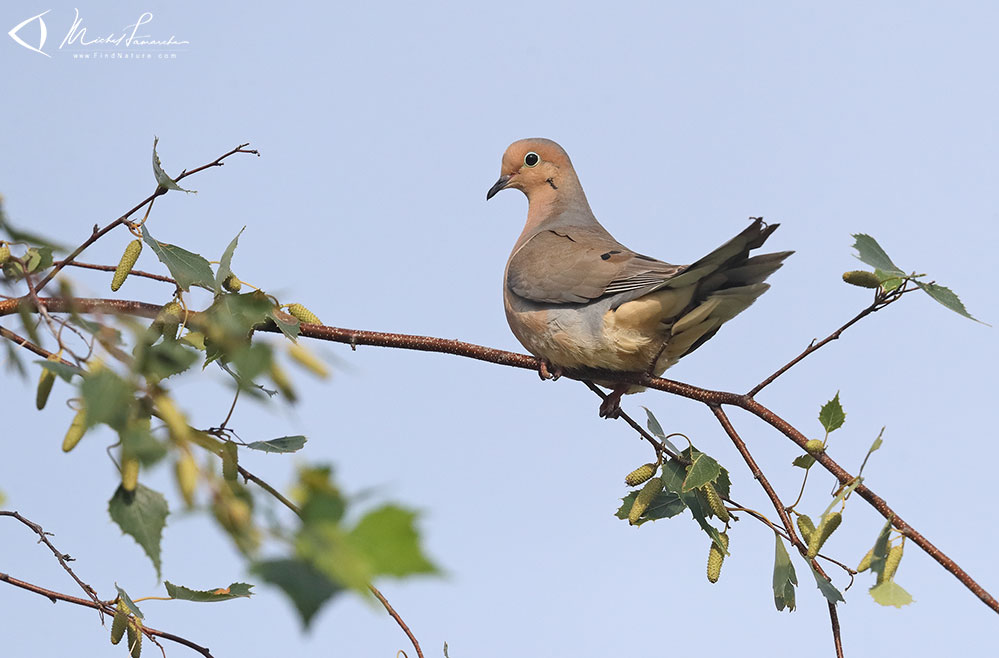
[
  {"x": 673, "y": 474},
  {"x": 225, "y": 263},
  {"x": 703, "y": 470},
  {"x": 890, "y": 593},
  {"x": 234, "y": 591},
  {"x": 307, "y": 587},
  {"x": 665, "y": 505},
  {"x": 187, "y": 268},
  {"x": 138, "y": 441},
  {"x": 325, "y": 545},
  {"x": 828, "y": 590},
  {"x": 229, "y": 321},
  {"x": 321, "y": 499},
  {"x": 889, "y": 280},
  {"x": 142, "y": 515},
  {"x": 784, "y": 578},
  {"x": 946, "y": 297},
  {"x": 832, "y": 415},
  {"x": 163, "y": 360},
  {"x": 108, "y": 398},
  {"x": 282, "y": 444},
  {"x": 877, "y": 442},
  {"x": 870, "y": 252},
  {"x": 657, "y": 430},
  {"x": 388, "y": 540},
  {"x": 66, "y": 372},
  {"x": 880, "y": 551},
  {"x": 803, "y": 461},
  {"x": 161, "y": 176},
  {"x": 128, "y": 602},
  {"x": 287, "y": 323}
]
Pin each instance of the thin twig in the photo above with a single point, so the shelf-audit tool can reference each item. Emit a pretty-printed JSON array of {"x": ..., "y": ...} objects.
[
  {"x": 398, "y": 619},
  {"x": 63, "y": 558},
  {"x": 28, "y": 345},
  {"x": 97, "y": 233},
  {"x": 881, "y": 300},
  {"x": 106, "y": 608},
  {"x": 781, "y": 511},
  {"x": 112, "y": 268}
]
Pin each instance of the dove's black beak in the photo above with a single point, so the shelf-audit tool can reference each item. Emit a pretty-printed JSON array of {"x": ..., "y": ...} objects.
[{"x": 500, "y": 184}]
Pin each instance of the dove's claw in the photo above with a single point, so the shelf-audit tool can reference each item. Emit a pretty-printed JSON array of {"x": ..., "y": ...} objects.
[
  {"x": 549, "y": 371},
  {"x": 611, "y": 406}
]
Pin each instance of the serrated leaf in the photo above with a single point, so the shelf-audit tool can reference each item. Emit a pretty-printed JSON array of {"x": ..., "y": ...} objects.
[
  {"x": 803, "y": 461},
  {"x": 108, "y": 398},
  {"x": 672, "y": 475},
  {"x": 189, "y": 269},
  {"x": 890, "y": 593},
  {"x": 870, "y": 252},
  {"x": 142, "y": 515},
  {"x": 163, "y": 360},
  {"x": 665, "y": 505},
  {"x": 161, "y": 176},
  {"x": 828, "y": 590},
  {"x": 948, "y": 298},
  {"x": 281, "y": 444},
  {"x": 128, "y": 603},
  {"x": 832, "y": 415},
  {"x": 703, "y": 470},
  {"x": 784, "y": 578},
  {"x": 64, "y": 371},
  {"x": 234, "y": 591},
  {"x": 388, "y": 540},
  {"x": 307, "y": 587},
  {"x": 225, "y": 263}
]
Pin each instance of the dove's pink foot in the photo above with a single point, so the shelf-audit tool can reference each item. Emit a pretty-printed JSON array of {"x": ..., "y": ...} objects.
[
  {"x": 611, "y": 406},
  {"x": 549, "y": 371}
]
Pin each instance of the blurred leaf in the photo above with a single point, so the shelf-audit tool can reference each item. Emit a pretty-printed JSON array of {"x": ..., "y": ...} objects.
[
  {"x": 161, "y": 176},
  {"x": 282, "y": 444},
  {"x": 870, "y": 252},
  {"x": 388, "y": 539},
  {"x": 946, "y": 297},
  {"x": 703, "y": 470},
  {"x": 665, "y": 505},
  {"x": 164, "y": 359},
  {"x": 233, "y": 509},
  {"x": 229, "y": 321},
  {"x": 234, "y": 591},
  {"x": 66, "y": 372},
  {"x": 287, "y": 323},
  {"x": 307, "y": 587},
  {"x": 784, "y": 578},
  {"x": 325, "y": 545},
  {"x": 319, "y": 497},
  {"x": 18, "y": 235},
  {"x": 108, "y": 398},
  {"x": 128, "y": 602},
  {"x": 828, "y": 590},
  {"x": 137, "y": 440},
  {"x": 14, "y": 360},
  {"x": 225, "y": 263},
  {"x": 187, "y": 268},
  {"x": 890, "y": 593},
  {"x": 142, "y": 515},
  {"x": 803, "y": 461},
  {"x": 832, "y": 415}
]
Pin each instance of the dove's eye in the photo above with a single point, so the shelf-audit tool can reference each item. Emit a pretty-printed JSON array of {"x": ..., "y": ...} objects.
[{"x": 531, "y": 159}]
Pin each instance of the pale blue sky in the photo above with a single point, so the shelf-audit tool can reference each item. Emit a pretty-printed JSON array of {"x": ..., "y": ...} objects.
[{"x": 381, "y": 127}]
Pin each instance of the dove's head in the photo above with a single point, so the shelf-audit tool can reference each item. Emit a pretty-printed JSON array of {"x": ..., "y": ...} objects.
[{"x": 537, "y": 167}]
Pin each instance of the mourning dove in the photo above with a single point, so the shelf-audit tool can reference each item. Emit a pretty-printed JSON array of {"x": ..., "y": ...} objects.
[{"x": 577, "y": 298}]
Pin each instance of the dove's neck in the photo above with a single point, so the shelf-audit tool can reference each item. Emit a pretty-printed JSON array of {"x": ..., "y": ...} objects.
[{"x": 560, "y": 206}]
